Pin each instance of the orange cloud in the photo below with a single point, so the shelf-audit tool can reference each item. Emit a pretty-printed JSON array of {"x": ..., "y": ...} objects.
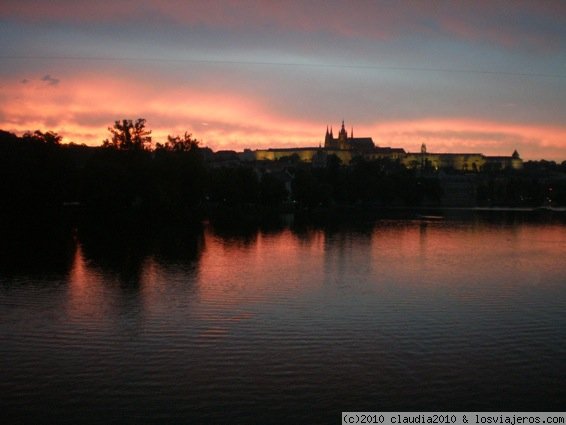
[
  {"x": 81, "y": 109},
  {"x": 464, "y": 135}
]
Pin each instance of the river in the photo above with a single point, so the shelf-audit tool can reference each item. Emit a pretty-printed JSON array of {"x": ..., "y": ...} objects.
[{"x": 285, "y": 325}]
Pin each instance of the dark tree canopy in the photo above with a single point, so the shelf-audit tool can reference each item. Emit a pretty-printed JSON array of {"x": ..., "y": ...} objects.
[
  {"x": 129, "y": 135},
  {"x": 179, "y": 144},
  {"x": 50, "y": 137}
]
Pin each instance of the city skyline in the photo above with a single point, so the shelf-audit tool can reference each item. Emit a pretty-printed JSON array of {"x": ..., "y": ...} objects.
[{"x": 458, "y": 76}]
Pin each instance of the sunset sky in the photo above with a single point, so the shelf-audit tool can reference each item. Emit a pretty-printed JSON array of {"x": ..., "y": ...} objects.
[{"x": 460, "y": 76}]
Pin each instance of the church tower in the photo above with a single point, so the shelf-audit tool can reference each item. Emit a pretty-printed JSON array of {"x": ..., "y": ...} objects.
[
  {"x": 423, "y": 156},
  {"x": 344, "y": 141},
  {"x": 343, "y": 138},
  {"x": 329, "y": 141}
]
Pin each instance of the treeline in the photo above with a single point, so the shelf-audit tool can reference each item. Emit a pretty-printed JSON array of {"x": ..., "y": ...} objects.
[
  {"x": 174, "y": 180},
  {"x": 166, "y": 182},
  {"x": 128, "y": 174},
  {"x": 374, "y": 183},
  {"x": 177, "y": 180},
  {"x": 539, "y": 184}
]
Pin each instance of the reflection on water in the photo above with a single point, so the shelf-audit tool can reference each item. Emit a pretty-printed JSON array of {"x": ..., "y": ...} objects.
[{"x": 171, "y": 324}]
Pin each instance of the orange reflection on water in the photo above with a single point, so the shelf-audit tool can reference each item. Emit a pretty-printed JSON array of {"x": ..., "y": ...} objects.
[
  {"x": 399, "y": 253},
  {"x": 231, "y": 275},
  {"x": 86, "y": 297},
  {"x": 233, "y": 271},
  {"x": 438, "y": 254}
]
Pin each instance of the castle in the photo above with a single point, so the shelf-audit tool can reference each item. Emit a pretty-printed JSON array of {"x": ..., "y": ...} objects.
[
  {"x": 347, "y": 147},
  {"x": 343, "y": 142}
]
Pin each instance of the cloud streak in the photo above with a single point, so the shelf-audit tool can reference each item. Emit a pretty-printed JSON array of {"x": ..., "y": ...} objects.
[
  {"x": 49, "y": 80},
  {"x": 515, "y": 23},
  {"x": 483, "y": 76},
  {"x": 476, "y": 136},
  {"x": 84, "y": 107}
]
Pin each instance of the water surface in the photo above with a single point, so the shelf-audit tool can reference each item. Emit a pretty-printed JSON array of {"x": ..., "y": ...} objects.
[{"x": 290, "y": 324}]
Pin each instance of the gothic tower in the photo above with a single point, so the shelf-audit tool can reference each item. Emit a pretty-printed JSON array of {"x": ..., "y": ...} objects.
[
  {"x": 343, "y": 138},
  {"x": 329, "y": 141}
]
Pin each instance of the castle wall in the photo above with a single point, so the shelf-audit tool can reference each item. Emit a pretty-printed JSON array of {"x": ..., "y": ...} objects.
[
  {"x": 346, "y": 148},
  {"x": 460, "y": 162},
  {"x": 303, "y": 154},
  {"x": 436, "y": 161}
]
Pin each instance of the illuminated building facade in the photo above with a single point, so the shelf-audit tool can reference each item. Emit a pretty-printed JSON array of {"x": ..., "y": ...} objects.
[{"x": 346, "y": 147}]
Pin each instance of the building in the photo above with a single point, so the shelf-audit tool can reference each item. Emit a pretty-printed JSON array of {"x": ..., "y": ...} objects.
[
  {"x": 471, "y": 162},
  {"x": 347, "y": 147},
  {"x": 344, "y": 147},
  {"x": 343, "y": 142}
]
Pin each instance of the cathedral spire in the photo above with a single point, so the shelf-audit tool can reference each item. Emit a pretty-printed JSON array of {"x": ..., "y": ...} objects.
[{"x": 343, "y": 138}]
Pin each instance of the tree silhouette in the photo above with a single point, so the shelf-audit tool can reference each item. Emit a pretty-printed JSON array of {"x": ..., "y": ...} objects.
[
  {"x": 50, "y": 137},
  {"x": 179, "y": 144},
  {"x": 129, "y": 135}
]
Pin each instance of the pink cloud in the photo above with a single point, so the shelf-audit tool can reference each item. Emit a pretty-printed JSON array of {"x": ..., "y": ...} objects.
[
  {"x": 81, "y": 108},
  {"x": 475, "y": 136}
]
